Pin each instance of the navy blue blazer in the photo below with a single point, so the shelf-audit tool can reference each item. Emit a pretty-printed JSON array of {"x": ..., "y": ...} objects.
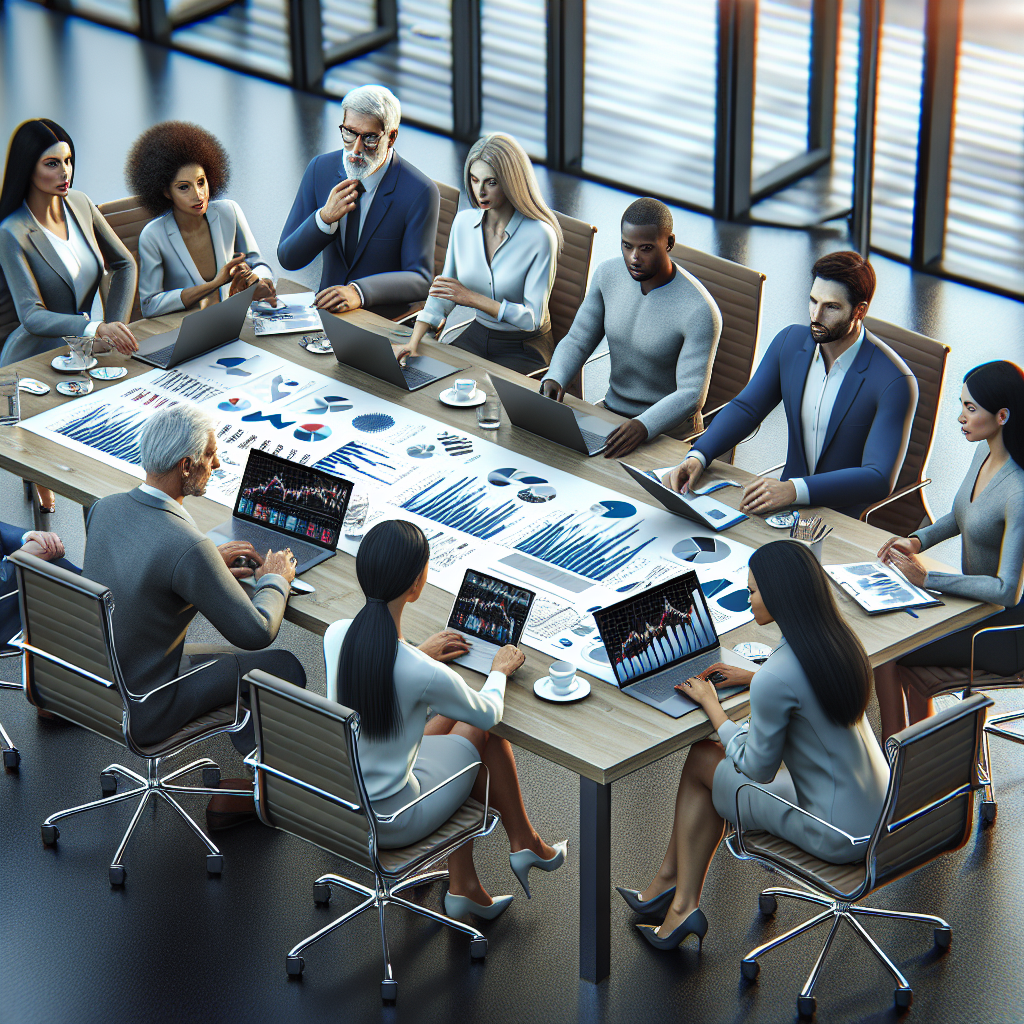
[
  {"x": 867, "y": 434},
  {"x": 394, "y": 260}
]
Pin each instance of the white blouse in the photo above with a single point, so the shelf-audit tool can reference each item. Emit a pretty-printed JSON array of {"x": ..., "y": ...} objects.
[{"x": 520, "y": 275}]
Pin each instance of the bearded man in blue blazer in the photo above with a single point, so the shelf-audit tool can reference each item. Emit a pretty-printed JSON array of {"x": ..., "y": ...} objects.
[
  {"x": 849, "y": 401},
  {"x": 371, "y": 214}
]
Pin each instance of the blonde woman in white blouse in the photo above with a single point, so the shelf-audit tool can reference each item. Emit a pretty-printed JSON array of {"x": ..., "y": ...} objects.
[{"x": 501, "y": 261}]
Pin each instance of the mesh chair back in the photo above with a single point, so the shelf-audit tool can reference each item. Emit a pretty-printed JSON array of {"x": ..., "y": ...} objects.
[
  {"x": 926, "y": 357},
  {"x": 304, "y": 738},
  {"x": 127, "y": 217},
  {"x": 739, "y": 292},
  {"x": 68, "y": 617},
  {"x": 445, "y": 215},
  {"x": 571, "y": 274},
  {"x": 930, "y": 804}
]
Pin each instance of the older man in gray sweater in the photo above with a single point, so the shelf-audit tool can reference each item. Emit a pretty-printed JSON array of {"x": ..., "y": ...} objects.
[{"x": 662, "y": 327}]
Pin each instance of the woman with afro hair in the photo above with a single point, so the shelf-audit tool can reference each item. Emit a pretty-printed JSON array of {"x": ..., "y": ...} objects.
[{"x": 198, "y": 249}]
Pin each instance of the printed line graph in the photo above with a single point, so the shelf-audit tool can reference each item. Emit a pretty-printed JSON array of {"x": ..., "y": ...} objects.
[
  {"x": 108, "y": 429},
  {"x": 462, "y": 506},
  {"x": 187, "y": 386}
]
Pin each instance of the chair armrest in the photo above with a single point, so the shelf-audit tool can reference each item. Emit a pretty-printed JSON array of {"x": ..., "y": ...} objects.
[
  {"x": 23, "y": 645},
  {"x": 538, "y": 374},
  {"x": 448, "y": 328},
  {"x": 141, "y": 698},
  {"x": 259, "y": 766},
  {"x": 902, "y": 492},
  {"x": 386, "y": 819},
  {"x": 986, "y": 629},
  {"x": 770, "y": 469}
]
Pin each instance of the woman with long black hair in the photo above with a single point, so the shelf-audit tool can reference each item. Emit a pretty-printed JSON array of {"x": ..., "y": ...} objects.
[
  {"x": 373, "y": 670},
  {"x": 988, "y": 515},
  {"x": 806, "y": 709}
]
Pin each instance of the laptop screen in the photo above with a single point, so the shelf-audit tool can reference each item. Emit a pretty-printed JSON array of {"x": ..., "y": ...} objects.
[
  {"x": 491, "y": 609},
  {"x": 656, "y": 629},
  {"x": 293, "y": 499}
]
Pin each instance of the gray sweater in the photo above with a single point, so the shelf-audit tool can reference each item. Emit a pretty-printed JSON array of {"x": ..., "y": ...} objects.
[
  {"x": 666, "y": 337},
  {"x": 991, "y": 529},
  {"x": 162, "y": 571}
]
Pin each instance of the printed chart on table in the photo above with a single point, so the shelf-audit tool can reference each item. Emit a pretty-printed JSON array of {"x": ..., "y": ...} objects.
[{"x": 580, "y": 546}]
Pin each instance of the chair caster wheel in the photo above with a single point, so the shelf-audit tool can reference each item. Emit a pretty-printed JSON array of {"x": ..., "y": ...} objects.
[
  {"x": 211, "y": 778},
  {"x": 767, "y": 904},
  {"x": 477, "y": 949},
  {"x": 50, "y": 835},
  {"x": 943, "y": 937},
  {"x": 117, "y": 874},
  {"x": 108, "y": 783},
  {"x": 988, "y": 812},
  {"x": 806, "y": 1006},
  {"x": 389, "y": 991},
  {"x": 295, "y": 966},
  {"x": 750, "y": 969},
  {"x": 214, "y": 863},
  {"x": 903, "y": 997},
  {"x": 321, "y": 893},
  {"x": 12, "y": 759}
]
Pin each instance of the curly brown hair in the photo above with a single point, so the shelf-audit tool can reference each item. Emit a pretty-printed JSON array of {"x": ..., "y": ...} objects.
[{"x": 158, "y": 153}]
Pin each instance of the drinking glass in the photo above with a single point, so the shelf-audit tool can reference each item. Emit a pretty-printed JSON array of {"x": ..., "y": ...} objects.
[
  {"x": 488, "y": 415},
  {"x": 80, "y": 352},
  {"x": 10, "y": 405}
]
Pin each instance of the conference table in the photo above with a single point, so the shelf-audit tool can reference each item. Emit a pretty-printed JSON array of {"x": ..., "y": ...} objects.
[{"x": 602, "y": 738}]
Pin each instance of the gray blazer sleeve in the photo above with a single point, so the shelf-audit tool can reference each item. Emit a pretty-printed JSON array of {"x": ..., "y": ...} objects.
[
  {"x": 154, "y": 298},
  {"x": 757, "y": 750}
]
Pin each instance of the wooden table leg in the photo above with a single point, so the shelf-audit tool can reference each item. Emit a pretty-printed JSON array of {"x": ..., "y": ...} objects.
[{"x": 595, "y": 880}]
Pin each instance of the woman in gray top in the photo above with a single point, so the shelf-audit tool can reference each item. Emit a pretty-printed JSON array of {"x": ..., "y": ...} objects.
[
  {"x": 806, "y": 709},
  {"x": 988, "y": 514}
]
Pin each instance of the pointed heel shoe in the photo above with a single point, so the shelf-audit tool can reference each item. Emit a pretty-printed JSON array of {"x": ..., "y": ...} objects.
[
  {"x": 695, "y": 924},
  {"x": 460, "y": 906},
  {"x": 522, "y": 860},
  {"x": 655, "y": 905}
]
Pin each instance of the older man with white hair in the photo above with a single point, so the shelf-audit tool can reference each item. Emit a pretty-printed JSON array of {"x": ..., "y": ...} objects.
[
  {"x": 163, "y": 571},
  {"x": 371, "y": 214}
]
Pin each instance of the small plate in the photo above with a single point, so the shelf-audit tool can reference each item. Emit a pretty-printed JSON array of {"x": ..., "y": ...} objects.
[
  {"x": 757, "y": 653},
  {"x": 109, "y": 372},
  {"x": 33, "y": 386},
  {"x": 60, "y": 364},
  {"x": 75, "y": 387},
  {"x": 781, "y": 520},
  {"x": 318, "y": 344},
  {"x": 447, "y": 396},
  {"x": 542, "y": 688}
]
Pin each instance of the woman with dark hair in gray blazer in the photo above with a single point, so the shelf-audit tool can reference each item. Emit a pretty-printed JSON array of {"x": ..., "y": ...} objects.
[
  {"x": 199, "y": 248},
  {"x": 806, "y": 709}
]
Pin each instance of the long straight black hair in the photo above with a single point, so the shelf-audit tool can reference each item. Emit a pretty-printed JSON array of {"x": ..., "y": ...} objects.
[
  {"x": 796, "y": 591},
  {"x": 391, "y": 557},
  {"x": 1000, "y": 385},
  {"x": 31, "y": 139}
]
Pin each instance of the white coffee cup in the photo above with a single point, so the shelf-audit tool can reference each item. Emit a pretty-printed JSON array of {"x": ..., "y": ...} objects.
[
  {"x": 563, "y": 677},
  {"x": 464, "y": 388}
]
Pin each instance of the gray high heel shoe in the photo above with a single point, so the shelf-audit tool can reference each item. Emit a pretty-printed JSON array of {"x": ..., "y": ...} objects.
[
  {"x": 460, "y": 906},
  {"x": 522, "y": 860}
]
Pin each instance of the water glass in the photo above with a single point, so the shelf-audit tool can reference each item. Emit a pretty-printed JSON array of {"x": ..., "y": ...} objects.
[
  {"x": 10, "y": 405},
  {"x": 355, "y": 517},
  {"x": 81, "y": 352},
  {"x": 488, "y": 415}
]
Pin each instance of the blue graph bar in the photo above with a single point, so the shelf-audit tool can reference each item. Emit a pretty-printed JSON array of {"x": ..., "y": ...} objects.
[
  {"x": 596, "y": 554},
  {"x": 113, "y": 431},
  {"x": 459, "y": 506},
  {"x": 360, "y": 459}
]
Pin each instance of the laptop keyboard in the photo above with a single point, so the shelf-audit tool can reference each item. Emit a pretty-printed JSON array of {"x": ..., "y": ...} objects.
[
  {"x": 162, "y": 355},
  {"x": 259, "y": 536},
  {"x": 416, "y": 378},
  {"x": 594, "y": 441},
  {"x": 663, "y": 686}
]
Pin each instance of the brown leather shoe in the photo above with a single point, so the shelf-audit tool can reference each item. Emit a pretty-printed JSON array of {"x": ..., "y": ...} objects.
[
  {"x": 228, "y": 811},
  {"x": 46, "y": 716}
]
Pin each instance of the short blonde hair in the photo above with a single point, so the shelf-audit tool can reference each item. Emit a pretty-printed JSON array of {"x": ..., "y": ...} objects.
[{"x": 516, "y": 178}]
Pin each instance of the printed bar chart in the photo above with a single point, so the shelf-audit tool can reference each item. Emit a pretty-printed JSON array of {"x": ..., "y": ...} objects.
[
  {"x": 461, "y": 506},
  {"x": 360, "y": 458},
  {"x": 595, "y": 554}
]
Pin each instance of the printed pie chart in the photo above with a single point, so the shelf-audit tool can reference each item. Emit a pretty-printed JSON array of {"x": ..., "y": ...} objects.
[
  {"x": 715, "y": 587},
  {"x": 537, "y": 489},
  {"x": 737, "y": 601},
  {"x": 331, "y": 403},
  {"x": 597, "y": 654},
  {"x": 701, "y": 549},
  {"x": 234, "y": 404},
  {"x": 420, "y": 451},
  {"x": 536, "y": 493},
  {"x": 613, "y": 509},
  {"x": 312, "y": 432}
]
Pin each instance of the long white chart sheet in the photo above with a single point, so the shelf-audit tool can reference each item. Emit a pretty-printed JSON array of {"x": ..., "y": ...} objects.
[{"x": 577, "y": 544}]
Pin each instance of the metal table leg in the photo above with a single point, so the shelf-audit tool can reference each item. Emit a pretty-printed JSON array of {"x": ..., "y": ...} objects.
[{"x": 595, "y": 880}]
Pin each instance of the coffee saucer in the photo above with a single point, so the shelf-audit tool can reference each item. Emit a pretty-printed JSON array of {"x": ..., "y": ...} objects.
[
  {"x": 75, "y": 386},
  {"x": 781, "y": 520},
  {"x": 448, "y": 397},
  {"x": 33, "y": 386},
  {"x": 542, "y": 688},
  {"x": 64, "y": 364},
  {"x": 109, "y": 372}
]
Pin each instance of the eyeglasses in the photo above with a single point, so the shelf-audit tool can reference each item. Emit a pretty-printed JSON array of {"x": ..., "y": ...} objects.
[{"x": 370, "y": 139}]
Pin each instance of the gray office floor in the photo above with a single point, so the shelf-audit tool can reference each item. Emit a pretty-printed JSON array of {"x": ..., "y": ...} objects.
[{"x": 174, "y": 944}]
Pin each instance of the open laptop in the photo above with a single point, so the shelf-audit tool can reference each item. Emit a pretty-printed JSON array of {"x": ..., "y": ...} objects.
[
  {"x": 556, "y": 421},
  {"x": 660, "y": 637},
  {"x": 372, "y": 353},
  {"x": 490, "y": 612},
  {"x": 285, "y": 504},
  {"x": 199, "y": 332},
  {"x": 697, "y": 507}
]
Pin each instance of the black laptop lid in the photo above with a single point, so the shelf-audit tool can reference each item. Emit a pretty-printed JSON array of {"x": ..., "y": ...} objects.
[
  {"x": 294, "y": 500},
  {"x": 491, "y": 609},
  {"x": 657, "y": 629}
]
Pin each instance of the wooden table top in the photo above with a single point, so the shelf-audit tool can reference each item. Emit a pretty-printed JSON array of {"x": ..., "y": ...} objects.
[{"x": 607, "y": 735}]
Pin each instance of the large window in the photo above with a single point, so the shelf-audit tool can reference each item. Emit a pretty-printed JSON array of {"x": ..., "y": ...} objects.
[{"x": 252, "y": 34}]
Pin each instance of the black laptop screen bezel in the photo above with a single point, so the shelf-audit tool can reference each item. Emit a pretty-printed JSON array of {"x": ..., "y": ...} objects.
[{"x": 516, "y": 634}]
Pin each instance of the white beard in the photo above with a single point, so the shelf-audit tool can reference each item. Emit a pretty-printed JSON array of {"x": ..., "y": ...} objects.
[{"x": 359, "y": 167}]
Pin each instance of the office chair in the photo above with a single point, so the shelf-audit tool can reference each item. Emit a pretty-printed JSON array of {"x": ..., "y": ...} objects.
[
  {"x": 71, "y": 669},
  {"x": 12, "y": 758},
  {"x": 309, "y": 783},
  {"x": 927, "y": 811},
  {"x": 127, "y": 217}
]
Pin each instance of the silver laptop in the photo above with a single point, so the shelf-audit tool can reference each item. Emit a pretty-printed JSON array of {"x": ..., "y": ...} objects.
[
  {"x": 372, "y": 353},
  {"x": 659, "y": 638},
  {"x": 285, "y": 504},
  {"x": 489, "y": 612},
  {"x": 199, "y": 332},
  {"x": 556, "y": 421},
  {"x": 695, "y": 506}
]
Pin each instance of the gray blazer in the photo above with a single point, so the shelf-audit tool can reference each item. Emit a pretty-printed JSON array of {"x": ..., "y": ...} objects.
[
  {"x": 166, "y": 267},
  {"x": 837, "y": 773},
  {"x": 162, "y": 572},
  {"x": 41, "y": 288}
]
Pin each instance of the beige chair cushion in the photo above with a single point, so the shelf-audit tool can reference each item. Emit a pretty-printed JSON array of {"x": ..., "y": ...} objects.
[
  {"x": 843, "y": 878},
  {"x": 939, "y": 679},
  {"x": 215, "y": 719},
  {"x": 466, "y": 820},
  {"x": 571, "y": 274}
]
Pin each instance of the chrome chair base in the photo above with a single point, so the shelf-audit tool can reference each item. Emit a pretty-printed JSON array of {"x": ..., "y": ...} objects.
[
  {"x": 10, "y": 752},
  {"x": 994, "y": 727},
  {"x": 838, "y": 911},
  {"x": 148, "y": 788},
  {"x": 385, "y": 893}
]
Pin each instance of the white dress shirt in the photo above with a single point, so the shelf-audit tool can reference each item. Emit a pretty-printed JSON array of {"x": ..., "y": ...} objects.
[
  {"x": 76, "y": 254},
  {"x": 520, "y": 275}
]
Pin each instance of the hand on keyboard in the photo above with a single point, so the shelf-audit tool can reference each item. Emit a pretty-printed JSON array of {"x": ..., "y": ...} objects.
[
  {"x": 241, "y": 558},
  {"x": 445, "y": 646},
  {"x": 508, "y": 659}
]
